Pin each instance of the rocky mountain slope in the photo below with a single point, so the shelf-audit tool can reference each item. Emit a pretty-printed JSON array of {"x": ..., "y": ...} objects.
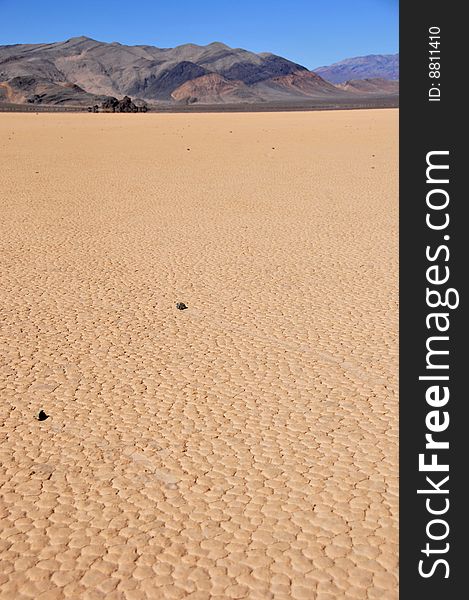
[
  {"x": 370, "y": 86},
  {"x": 83, "y": 71}
]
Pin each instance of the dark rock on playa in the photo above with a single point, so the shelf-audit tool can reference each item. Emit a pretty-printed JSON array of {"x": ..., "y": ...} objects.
[{"x": 42, "y": 416}]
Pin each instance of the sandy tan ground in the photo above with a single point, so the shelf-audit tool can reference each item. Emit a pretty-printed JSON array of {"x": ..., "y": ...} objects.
[{"x": 245, "y": 447}]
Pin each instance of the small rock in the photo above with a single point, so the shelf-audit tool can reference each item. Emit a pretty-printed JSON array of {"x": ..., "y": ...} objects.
[
  {"x": 42, "y": 416},
  {"x": 181, "y": 306}
]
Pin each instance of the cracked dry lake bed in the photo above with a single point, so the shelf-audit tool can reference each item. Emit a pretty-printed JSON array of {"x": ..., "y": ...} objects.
[{"x": 245, "y": 447}]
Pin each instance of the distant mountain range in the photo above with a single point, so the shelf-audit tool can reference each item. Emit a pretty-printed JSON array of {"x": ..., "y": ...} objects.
[
  {"x": 82, "y": 71},
  {"x": 380, "y": 66}
]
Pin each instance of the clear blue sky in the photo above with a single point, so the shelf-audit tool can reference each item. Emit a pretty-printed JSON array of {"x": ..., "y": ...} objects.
[{"x": 310, "y": 32}]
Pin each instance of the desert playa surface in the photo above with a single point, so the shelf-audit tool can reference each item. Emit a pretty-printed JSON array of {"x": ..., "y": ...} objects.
[{"x": 245, "y": 447}]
